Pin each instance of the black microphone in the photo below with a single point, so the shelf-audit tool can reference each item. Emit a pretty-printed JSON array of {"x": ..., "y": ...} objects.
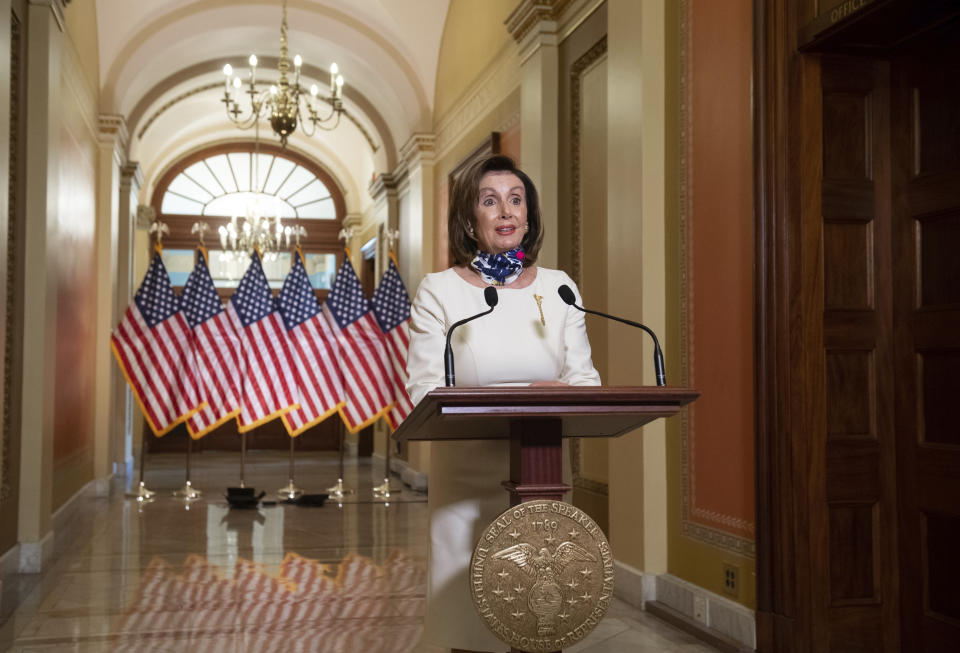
[
  {"x": 567, "y": 296},
  {"x": 489, "y": 296}
]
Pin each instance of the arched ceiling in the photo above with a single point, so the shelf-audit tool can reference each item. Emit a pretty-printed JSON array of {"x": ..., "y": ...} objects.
[{"x": 160, "y": 67}]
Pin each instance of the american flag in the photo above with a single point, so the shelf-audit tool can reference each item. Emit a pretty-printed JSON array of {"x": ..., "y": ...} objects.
[
  {"x": 152, "y": 345},
  {"x": 314, "y": 349},
  {"x": 391, "y": 307},
  {"x": 363, "y": 360},
  {"x": 269, "y": 388},
  {"x": 216, "y": 351}
]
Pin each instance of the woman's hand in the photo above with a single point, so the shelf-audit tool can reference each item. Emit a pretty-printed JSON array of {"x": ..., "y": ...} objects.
[{"x": 549, "y": 383}]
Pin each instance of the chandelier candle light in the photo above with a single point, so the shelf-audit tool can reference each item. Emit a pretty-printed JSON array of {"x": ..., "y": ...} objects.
[
  {"x": 264, "y": 234},
  {"x": 285, "y": 102}
]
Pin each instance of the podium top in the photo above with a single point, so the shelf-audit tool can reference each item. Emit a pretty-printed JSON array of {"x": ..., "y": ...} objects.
[{"x": 485, "y": 413}]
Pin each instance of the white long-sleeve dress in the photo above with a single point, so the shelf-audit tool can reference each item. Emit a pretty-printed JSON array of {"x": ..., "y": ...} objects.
[{"x": 508, "y": 347}]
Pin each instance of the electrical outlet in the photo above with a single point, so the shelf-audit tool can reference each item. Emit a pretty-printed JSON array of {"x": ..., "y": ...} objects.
[
  {"x": 731, "y": 580},
  {"x": 700, "y": 609}
]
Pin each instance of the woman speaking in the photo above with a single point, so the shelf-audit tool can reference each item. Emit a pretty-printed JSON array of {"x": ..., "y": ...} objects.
[{"x": 532, "y": 338}]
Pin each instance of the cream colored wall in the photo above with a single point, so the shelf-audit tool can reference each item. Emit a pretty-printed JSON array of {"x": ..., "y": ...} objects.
[
  {"x": 474, "y": 34},
  {"x": 594, "y": 452},
  {"x": 636, "y": 261},
  {"x": 81, "y": 21}
]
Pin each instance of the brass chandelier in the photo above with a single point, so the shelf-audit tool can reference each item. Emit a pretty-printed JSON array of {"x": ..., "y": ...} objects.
[{"x": 285, "y": 103}]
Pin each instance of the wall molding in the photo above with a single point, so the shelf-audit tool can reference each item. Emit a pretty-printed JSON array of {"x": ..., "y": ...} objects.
[
  {"x": 57, "y": 8},
  {"x": 13, "y": 336},
  {"x": 577, "y": 71},
  {"x": 529, "y": 13}
]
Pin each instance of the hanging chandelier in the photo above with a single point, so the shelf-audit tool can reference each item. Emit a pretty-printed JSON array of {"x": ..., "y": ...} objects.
[{"x": 285, "y": 103}]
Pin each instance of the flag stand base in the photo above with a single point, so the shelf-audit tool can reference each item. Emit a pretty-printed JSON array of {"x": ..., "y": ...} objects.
[
  {"x": 188, "y": 492},
  {"x": 339, "y": 490},
  {"x": 142, "y": 494},
  {"x": 385, "y": 490},
  {"x": 290, "y": 492}
]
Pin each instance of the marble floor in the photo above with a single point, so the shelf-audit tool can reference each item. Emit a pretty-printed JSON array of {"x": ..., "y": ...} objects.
[{"x": 174, "y": 576}]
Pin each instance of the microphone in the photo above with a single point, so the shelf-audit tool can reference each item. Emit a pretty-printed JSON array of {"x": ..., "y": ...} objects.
[
  {"x": 567, "y": 296},
  {"x": 489, "y": 296}
]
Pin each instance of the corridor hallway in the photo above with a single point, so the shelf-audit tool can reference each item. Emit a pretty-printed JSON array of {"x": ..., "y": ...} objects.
[{"x": 170, "y": 576}]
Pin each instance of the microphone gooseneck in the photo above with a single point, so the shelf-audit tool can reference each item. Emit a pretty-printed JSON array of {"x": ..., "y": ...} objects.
[
  {"x": 491, "y": 298},
  {"x": 568, "y": 298}
]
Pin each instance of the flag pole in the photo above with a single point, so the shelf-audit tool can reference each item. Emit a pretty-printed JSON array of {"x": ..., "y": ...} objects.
[
  {"x": 142, "y": 494},
  {"x": 188, "y": 492},
  {"x": 339, "y": 490},
  {"x": 384, "y": 490},
  {"x": 243, "y": 457},
  {"x": 290, "y": 491}
]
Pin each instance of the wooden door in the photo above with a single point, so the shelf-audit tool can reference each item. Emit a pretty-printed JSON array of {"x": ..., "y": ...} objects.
[
  {"x": 925, "y": 119},
  {"x": 852, "y": 479}
]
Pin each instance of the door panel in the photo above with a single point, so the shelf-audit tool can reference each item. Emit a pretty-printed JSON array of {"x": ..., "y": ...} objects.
[
  {"x": 925, "y": 121},
  {"x": 857, "y": 525}
]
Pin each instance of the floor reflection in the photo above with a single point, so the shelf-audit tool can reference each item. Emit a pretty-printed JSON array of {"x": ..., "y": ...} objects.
[
  {"x": 299, "y": 604},
  {"x": 169, "y": 576}
]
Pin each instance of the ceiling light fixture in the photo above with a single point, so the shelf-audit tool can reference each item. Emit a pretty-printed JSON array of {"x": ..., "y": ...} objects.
[{"x": 285, "y": 103}]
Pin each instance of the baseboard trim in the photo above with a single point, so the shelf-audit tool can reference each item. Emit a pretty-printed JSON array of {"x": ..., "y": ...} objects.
[
  {"x": 35, "y": 556},
  {"x": 410, "y": 475},
  {"x": 704, "y": 614},
  {"x": 695, "y": 628}
]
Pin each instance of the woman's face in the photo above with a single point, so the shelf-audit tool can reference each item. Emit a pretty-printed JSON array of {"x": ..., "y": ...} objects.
[{"x": 501, "y": 212}]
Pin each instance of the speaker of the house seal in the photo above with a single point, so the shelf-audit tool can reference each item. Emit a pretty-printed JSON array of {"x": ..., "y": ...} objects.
[{"x": 541, "y": 575}]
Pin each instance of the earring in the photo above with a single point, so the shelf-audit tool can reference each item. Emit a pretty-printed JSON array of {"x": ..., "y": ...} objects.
[
  {"x": 526, "y": 227},
  {"x": 470, "y": 231}
]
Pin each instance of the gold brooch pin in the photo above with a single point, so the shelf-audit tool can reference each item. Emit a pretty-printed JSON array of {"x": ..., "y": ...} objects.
[{"x": 540, "y": 308}]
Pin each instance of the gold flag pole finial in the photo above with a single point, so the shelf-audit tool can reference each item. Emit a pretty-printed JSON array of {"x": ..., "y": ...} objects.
[
  {"x": 159, "y": 228},
  {"x": 346, "y": 235},
  {"x": 392, "y": 236},
  {"x": 200, "y": 229}
]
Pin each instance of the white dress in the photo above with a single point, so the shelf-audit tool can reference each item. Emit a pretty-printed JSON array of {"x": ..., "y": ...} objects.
[{"x": 508, "y": 347}]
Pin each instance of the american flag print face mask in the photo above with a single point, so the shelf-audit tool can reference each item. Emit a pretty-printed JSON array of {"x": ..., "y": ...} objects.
[{"x": 499, "y": 269}]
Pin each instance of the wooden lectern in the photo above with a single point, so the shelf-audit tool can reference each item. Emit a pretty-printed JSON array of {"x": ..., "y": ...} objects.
[{"x": 535, "y": 420}]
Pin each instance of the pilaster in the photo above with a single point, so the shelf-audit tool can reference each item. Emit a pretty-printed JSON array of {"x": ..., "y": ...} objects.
[
  {"x": 124, "y": 413},
  {"x": 40, "y": 308},
  {"x": 417, "y": 217},
  {"x": 636, "y": 193},
  {"x": 534, "y": 26},
  {"x": 107, "y": 430}
]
